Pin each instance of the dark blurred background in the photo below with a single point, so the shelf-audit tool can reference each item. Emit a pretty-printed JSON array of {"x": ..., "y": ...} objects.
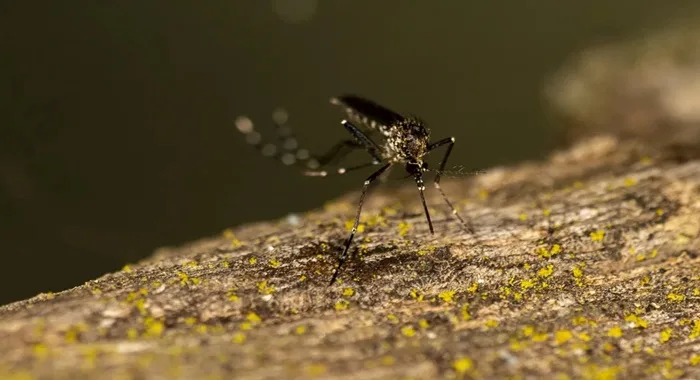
[{"x": 116, "y": 131}]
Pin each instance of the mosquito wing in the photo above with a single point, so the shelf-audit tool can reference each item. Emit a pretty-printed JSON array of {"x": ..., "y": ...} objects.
[{"x": 367, "y": 113}]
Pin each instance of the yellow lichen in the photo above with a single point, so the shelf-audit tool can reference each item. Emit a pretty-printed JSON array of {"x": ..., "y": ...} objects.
[
  {"x": 424, "y": 324},
  {"x": 427, "y": 250},
  {"x": 447, "y": 296},
  {"x": 408, "y": 331},
  {"x": 154, "y": 327},
  {"x": 40, "y": 350},
  {"x": 546, "y": 253},
  {"x": 546, "y": 271},
  {"x": 462, "y": 365},
  {"x": 348, "y": 292},
  {"x": 404, "y": 228},
  {"x": 416, "y": 295},
  {"x": 615, "y": 332},
  {"x": 253, "y": 318},
  {"x": 594, "y": 372},
  {"x": 376, "y": 220},
  {"x": 245, "y": 326},
  {"x": 581, "y": 320},
  {"x": 229, "y": 235},
  {"x": 578, "y": 275},
  {"x": 638, "y": 322},
  {"x": 598, "y": 235},
  {"x": 316, "y": 369},
  {"x": 238, "y": 338},
  {"x": 540, "y": 337},
  {"x": 696, "y": 330},
  {"x": 517, "y": 345},
  {"x": 473, "y": 287},
  {"x": 527, "y": 284},
  {"x": 629, "y": 182},
  {"x": 675, "y": 297},
  {"x": 274, "y": 263},
  {"x": 491, "y": 323},
  {"x": 522, "y": 217},
  {"x": 351, "y": 222},
  {"x": 694, "y": 360},
  {"x": 393, "y": 319},
  {"x": 665, "y": 335},
  {"x": 464, "y": 310},
  {"x": 233, "y": 297},
  {"x": 562, "y": 336},
  {"x": 74, "y": 332},
  {"x": 126, "y": 268},
  {"x": 264, "y": 288},
  {"x": 387, "y": 360},
  {"x": 252, "y": 260},
  {"x": 390, "y": 211},
  {"x": 342, "y": 305}
]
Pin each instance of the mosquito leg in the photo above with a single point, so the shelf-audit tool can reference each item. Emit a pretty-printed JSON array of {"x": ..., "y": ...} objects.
[
  {"x": 361, "y": 141},
  {"x": 365, "y": 186},
  {"x": 421, "y": 189},
  {"x": 289, "y": 141},
  {"x": 339, "y": 171},
  {"x": 286, "y": 148},
  {"x": 337, "y": 152},
  {"x": 372, "y": 148},
  {"x": 451, "y": 142},
  {"x": 385, "y": 176}
]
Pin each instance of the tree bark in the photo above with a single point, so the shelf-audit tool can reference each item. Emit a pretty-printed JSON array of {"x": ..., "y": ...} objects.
[{"x": 581, "y": 266}]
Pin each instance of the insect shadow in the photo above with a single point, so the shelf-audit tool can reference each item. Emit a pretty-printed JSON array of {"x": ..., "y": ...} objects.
[{"x": 390, "y": 139}]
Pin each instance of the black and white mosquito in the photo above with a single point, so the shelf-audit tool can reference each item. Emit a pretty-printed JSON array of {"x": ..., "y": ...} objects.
[{"x": 400, "y": 140}]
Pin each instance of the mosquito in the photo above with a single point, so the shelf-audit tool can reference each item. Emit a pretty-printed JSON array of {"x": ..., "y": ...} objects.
[{"x": 399, "y": 140}]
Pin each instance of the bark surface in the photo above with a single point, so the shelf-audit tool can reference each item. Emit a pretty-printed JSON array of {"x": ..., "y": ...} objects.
[{"x": 584, "y": 265}]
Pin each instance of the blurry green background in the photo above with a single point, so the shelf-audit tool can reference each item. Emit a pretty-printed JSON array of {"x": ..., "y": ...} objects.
[{"x": 116, "y": 131}]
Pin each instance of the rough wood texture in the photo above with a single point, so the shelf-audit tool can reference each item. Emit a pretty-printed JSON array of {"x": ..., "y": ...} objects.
[{"x": 583, "y": 266}]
